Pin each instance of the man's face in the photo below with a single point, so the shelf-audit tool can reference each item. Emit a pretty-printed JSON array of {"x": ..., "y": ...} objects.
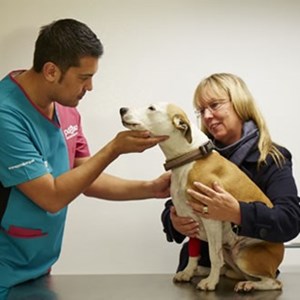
[{"x": 75, "y": 82}]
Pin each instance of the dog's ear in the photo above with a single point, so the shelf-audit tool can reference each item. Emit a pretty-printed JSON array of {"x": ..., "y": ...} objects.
[{"x": 182, "y": 123}]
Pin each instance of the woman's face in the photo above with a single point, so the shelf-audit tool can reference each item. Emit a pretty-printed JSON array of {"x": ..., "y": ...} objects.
[{"x": 220, "y": 119}]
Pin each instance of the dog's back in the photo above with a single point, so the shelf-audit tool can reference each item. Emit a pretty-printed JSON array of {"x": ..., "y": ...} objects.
[{"x": 216, "y": 168}]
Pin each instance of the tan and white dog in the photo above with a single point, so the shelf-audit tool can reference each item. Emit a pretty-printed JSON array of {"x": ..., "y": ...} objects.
[{"x": 189, "y": 154}]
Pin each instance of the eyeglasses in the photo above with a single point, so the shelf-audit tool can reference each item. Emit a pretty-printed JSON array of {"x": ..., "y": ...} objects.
[{"x": 212, "y": 107}]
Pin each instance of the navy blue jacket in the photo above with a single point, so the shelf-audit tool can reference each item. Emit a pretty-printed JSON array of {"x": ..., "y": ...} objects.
[{"x": 278, "y": 224}]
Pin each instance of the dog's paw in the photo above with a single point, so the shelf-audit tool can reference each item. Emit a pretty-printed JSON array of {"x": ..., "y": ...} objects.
[
  {"x": 207, "y": 285},
  {"x": 262, "y": 284},
  {"x": 244, "y": 286},
  {"x": 182, "y": 277}
]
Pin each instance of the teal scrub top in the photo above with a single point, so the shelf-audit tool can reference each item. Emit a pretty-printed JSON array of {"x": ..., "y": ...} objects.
[{"x": 31, "y": 145}]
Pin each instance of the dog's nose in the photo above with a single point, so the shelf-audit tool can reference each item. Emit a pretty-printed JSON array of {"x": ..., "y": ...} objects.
[{"x": 123, "y": 111}]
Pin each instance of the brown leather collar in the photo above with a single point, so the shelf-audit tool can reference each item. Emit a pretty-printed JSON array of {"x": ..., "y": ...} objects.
[{"x": 179, "y": 161}]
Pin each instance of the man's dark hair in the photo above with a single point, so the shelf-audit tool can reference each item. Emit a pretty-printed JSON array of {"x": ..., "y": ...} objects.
[{"x": 64, "y": 42}]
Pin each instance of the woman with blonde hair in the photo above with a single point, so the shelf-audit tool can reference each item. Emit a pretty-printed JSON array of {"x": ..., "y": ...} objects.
[
  {"x": 236, "y": 91},
  {"x": 229, "y": 115}
]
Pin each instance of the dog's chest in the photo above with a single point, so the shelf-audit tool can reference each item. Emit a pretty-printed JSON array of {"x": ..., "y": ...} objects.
[{"x": 179, "y": 182}]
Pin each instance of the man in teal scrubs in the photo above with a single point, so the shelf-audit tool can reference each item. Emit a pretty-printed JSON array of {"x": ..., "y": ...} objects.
[{"x": 44, "y": 157}]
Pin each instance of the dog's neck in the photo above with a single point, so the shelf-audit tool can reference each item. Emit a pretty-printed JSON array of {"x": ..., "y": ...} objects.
[
  {"x": 202, "y": 151},
  {"x": 179, "y": 151}
]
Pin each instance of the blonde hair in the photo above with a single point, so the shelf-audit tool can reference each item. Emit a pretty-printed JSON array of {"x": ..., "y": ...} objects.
[{"x": 233, "y": 87}]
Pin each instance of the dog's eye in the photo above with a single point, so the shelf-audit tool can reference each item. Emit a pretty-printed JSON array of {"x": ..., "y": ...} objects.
[{"x": 151, "y": 107}]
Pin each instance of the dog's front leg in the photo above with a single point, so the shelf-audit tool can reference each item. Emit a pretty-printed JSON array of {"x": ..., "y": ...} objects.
[
  {"x": 214, "y": 237},
  {"x": 189, "y": 271},
  {"x": 191, "y": 268}
]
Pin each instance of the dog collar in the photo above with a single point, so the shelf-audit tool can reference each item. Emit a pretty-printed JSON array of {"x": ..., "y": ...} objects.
[{"x": 179, "y": 161}]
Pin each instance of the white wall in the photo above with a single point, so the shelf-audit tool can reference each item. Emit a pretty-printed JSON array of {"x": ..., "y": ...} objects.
[{"x": 158, "y": 50}]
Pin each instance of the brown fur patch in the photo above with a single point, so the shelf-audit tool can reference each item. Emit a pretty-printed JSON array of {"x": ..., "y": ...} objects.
[{"x": 216, "y": 168}]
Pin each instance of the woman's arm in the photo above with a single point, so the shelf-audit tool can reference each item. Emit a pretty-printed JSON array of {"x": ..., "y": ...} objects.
[
  {"x": 176, "y": 227},
  {"x": 278, "y": 224},
  {"x": 282, "y": 222},
  {"x": 168, "y": 228}
]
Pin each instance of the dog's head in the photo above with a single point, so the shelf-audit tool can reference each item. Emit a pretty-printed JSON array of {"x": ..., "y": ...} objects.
[{"x": 159, "y": 119}]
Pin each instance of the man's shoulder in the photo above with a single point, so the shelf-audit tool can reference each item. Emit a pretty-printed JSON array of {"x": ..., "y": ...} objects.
[
  {"x": 5, "y": 86},
  {"x": 10, "y": 92}
]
